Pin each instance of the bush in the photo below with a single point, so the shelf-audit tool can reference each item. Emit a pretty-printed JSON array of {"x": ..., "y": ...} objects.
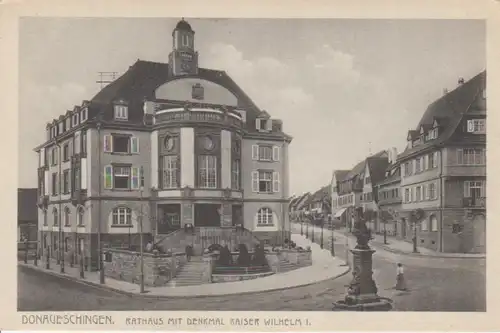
[
  {"x": 244, "y": 258},
  {"x": 259, "y": 257}
]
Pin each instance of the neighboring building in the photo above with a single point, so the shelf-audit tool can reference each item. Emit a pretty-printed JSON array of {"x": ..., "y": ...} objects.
[
  {"x": 375, "y": 168},
  {"x": 319, "y": 205},
  {"x": 351, "y": 191},
  {"x": 166, "y": 143},
  {"x": 443, "y": 171},
  {"x": 389, "y": 197},
  {"x": 27, "y": 216},
  {"x": 301, "y": 207},
  {"x": 338, "y": 213}
]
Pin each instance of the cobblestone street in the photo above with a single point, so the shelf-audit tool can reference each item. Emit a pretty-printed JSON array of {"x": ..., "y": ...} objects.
[{"x": 436, "y": 284}]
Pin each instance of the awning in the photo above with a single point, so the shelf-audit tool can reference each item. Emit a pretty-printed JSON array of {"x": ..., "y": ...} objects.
[{"x": 339, "y": 212}]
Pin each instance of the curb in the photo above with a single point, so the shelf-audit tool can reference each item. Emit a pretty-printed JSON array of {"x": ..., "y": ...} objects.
[{"x": 137, "y": 295}]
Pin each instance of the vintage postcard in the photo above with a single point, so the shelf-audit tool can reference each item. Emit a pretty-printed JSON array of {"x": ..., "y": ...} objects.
[{"x": 192, "y": 169}]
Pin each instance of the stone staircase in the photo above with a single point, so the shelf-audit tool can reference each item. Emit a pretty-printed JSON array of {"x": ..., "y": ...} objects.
[
  {"x": 190, "y": 274},
  {"x": 286, "y": 266}
]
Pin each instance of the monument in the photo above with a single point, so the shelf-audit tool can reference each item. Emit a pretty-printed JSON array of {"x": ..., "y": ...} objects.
[{"x": 362, "y": 291}]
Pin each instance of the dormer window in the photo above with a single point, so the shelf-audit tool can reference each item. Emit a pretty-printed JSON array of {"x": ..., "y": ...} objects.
[
  {"x": 61, "y": 127},
  {"x": 476, "y": 126},
  {"x": 74, "y": 121},
  {"x": 263, "y": 124},
  {"x": 121, "y": 112},
  {"x": 83, "y": 115}
]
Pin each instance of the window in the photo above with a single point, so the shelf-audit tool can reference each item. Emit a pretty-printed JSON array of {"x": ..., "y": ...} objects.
[
  {"x": 476, "y": 126},
  {"x": 65, "y": 181},
  {"x": 265, "y": 153},
  {"x": 56, "y": 217},
  {"x": 474, "y": 189},
  {"x": 54, "y": 156},
  {"x": 265, "y": 216},
  {"x": 121, "y": 112},
  {"x": 207, "y": 166},
  {"x": 84, "y": 115},
  {"x": 84, "y": 142},
  {"x": 408, "y": 169},
  {"x": 418, "y": 165},
  {"x": 262, "y": 181},
  {"x": 170, "y": 169},
  {"x": 65, "y": 152},
  {"x": 122, "y": 216},
  {"x": 185, "y": 40},
  {"x": 431, "y": 161},
  {"x": 418, "y": 194},
  {"x": 80, "y": 216},
  {"x": 121, "y": 177},
  {"x": 235, "y": 175},
  {"x": 423, "y": 225},
  {"x": 424, "y": 192},
  {"x": 434, "y": 223},
  {"x": 470, "y": 156},
  {"x": 367, "y": 180},
  {"x": 54, "y": 183},
  {"x": 432, "y": 191},
  {"x": 74, "y": 120},
  {"x": 123, "y": 144},
  {"x": 67, "y": 215}
]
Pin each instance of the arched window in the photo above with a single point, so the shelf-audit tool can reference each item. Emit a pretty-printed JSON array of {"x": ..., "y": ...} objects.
[
  {"x": 67, "y": 215},
  {"x": 56, "y": 217},
  {"x": 79, "y": 216},
  {"x": 434, "y": 223},
  {"x": 122, "y": 216},
  {"x": 265, "y": 216}
]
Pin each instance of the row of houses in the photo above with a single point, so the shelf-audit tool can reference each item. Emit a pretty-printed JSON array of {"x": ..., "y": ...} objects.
[{"x": 442, "y": 172}]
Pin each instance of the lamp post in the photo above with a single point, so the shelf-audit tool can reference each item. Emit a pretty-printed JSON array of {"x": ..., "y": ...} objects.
[
  {"x": 141, "y": 228},
  {"x": 322, "y": 227},
  {"x": 301, "y": 228},
  {"x": 332, "y": 249},
  {"x": 385, "y": 231},
  {"x": 59, "y": 213},
  {"x": 307, "y": 230},
  {"x": 99, "y": 208}
]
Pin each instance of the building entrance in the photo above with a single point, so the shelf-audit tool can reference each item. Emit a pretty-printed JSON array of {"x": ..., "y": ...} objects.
[
  {"x": 207, "y": 215},
  {"x": 169, "y": 218}
]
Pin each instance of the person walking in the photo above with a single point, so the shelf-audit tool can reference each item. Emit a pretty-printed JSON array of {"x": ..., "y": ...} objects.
[
  {"x": 149, "y": 247},
  {"x": 400, "y": 279}
]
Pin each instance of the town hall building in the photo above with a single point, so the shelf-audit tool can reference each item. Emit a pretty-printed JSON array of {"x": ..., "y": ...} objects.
[{"x": 166, "y": 144}]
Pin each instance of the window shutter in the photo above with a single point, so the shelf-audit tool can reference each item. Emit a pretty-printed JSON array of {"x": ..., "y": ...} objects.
[
  {"x": 269, "y": 125},
  {"x": 460, "y": 156},
  {"x": 108, "y": 177},
  {"x": 426, "y": 163},
  {"x": 414, "y": 166},
  {"x": 467, "y": 189},
  {"x": 135, "y": 178},
  {"x": 483, "y": 189},
  {"x": 255, "y": 152},
  {"x": 257, "y": 124},
  {"x": 276, "y": 153},
  {"x": 134, "y": 145},
  {"x": 255, "y": 181},
  {"x": 108, "y": 144},
  {"x": 276, "y": 182},
  {"x": 70, "y": 149},
  {"x": 470, "y": 126}
]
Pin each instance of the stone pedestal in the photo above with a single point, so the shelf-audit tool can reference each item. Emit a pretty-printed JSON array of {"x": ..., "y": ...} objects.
[{"x": 362, "y": 291}]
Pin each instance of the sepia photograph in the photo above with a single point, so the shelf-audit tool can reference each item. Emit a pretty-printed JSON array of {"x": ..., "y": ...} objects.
[{"x": 251, "y": 164}]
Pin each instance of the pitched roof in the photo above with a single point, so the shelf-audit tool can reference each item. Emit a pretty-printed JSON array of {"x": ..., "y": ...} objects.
[
  {"x": 142, "y": 79},
  {"x": 26, "y": 204},
  {"x": 360, "y": 167},
  {"x": 303, "y": 200},
  {"x": 377, "y": 167},
  {"x": 340, "y": 174},
  {"x": 449, "y": 111}
]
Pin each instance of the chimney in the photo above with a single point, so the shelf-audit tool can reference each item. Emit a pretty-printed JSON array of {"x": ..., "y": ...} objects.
[
  {"x": 389, "y": 155},
  {"x": 461, "y": 80},
  {"x": 445, "y": 91},
  {"x": 394, "y": 154}
]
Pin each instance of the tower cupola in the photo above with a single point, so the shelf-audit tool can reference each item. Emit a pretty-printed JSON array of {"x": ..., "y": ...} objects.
[{"x": 183, "y": 60}]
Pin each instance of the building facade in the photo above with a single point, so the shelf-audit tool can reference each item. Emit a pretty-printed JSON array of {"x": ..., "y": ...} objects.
[
  {"x": 443, "y": 172},
  {"x": 163, "y": 146}
]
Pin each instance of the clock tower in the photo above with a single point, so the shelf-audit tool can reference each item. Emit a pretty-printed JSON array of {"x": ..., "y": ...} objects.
[{"x": 183, "y": 60}]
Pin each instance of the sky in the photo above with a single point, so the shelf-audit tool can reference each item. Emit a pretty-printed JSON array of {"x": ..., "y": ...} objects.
[{"x": 344, "y": 88}]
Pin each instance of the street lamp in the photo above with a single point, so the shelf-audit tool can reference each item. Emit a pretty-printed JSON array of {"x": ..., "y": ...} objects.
[
  {"x": 99, "y": 208},
  {"x": 307, "y": 230},
  {"x": 301, "y": 228},
  {"x": 332, "y": 249},
  {"x": 322, "y": 227},
  {"x": 141, "y": 229}
]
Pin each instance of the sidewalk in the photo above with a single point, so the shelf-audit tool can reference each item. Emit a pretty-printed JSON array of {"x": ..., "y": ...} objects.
[
  {"x": 324, "y": 267},
  {"x": 393, "y": 245}
]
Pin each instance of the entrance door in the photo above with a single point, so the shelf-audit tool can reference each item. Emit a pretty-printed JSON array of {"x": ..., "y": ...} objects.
[
  {"x": 170, "y": 219},
  {"x": 479, "y": 234},
  {"x": 237, "y": 215},
  {"x": 207, "y": 215}
]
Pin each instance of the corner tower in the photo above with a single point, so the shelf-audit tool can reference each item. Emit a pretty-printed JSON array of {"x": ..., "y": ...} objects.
[{"x": 183, "y": 60}]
